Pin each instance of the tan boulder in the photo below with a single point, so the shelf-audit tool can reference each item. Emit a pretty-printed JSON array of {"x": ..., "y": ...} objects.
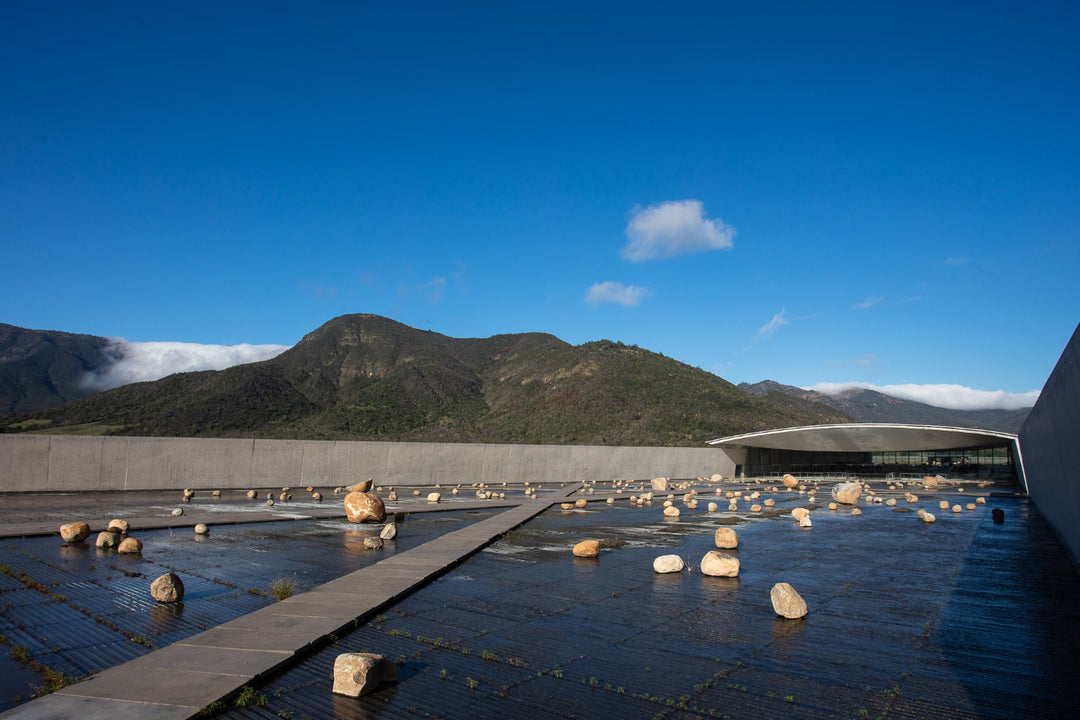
[
  {"x": 117, "y": 525},
  {"x": 719, "y": 564},
  {"x": 167, "y": 588},
  {"x": 107, "y": 539},
  {"x": 928, "y": 518},
  {"x": 587, "y": 549},
  {"x": 373, "y": 543},
  {"x": 930, "y": 482},
  {"x": 787, "y": 602},
  {"x": 202, "y": 529},
  {"x": 389, "y": 532},
  {"x": 668, "y": 564},
  {"x": 129, "y": 546},
  {"x": 581, "y": 502},
  {"x": 726, "y": 538},
  {"x": 847, "y": 493},
  {"x": 251, "y": 494},
  {"x": 364, "y": 507},
  {"x": 357, "y": 674},
  {"x": 434, "y": 497},
  {"x": 363, "y": 487},
  {"x": 799, "y": 513},
  {"x": 790, "y": 481},
  {"x": 74, "y": 532},
  {"x": 671, "y": 512}
]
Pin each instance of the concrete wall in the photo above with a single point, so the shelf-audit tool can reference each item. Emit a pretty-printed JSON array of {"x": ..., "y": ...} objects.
[
  {"x": 1050, "y": 443},
  {"x": 54, "y": 462}
]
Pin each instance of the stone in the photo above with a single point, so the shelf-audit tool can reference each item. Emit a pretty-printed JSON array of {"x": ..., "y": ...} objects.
[
  {"x": 434, "y": 497},
  {"x": 392, "y": 496},
  {"x": 611, "y": 501},
  {"x": 581, "y": 502},
  {"x": 755, "y": 508},
  {"x": 790, "y": 481},
  {"x": 117, "y": 525},
  {"x": 364, "y": 507},
  {"x": 202, "y": 529},
  {"x": 930, "y": 483},
  {"x": 719, "y": 564},
  {"x": 891, "y": 502},
  {"x": 847, "y": 493},
  {"x": 357, "y": 674},
  {"x": 373, "y": 543},
  {"x": 970, "y": 506},
  {"x": 980, "y": 501},
  {"x": 251, "y": 494},
  {"x": 74, "y": 532},
  {"x": 928, "y": 517},
  {"x": 957, "y": 509},
  {"x": 833, "y": 506},
  {"x": 566, "y": 506},
  {"x": 659, "y": 484},
  {"x": 107, "y": 539},
  {"x": 671, "y": 511},
  {"x": 856, "y": 512},
  {"x": 726, "y": 538},
  {"x": 167, "y": 589},
  {"x": 177, "y": 512},
  {"x": 316, "y": 496},
  {"x": 943, "y": 505},
  {"x": 587, "y": 549},
  {"x": 713, "y": 507},
  {"x": 269, "y": 502},
  {"x": 363, "y": 487},
  {"x": 285, "y": 496},
  {"x": 389, "y": 532},
  {"x": 668, "y": 564},
  {"x": 787, "y": 602},
  {"x": 215, "y": 493},
  {"x": 768, "y": 502},
  {"x": 799, "y": 513},
  {"x": 188, "y": 493},
  {"x": 129, "y": 546}
]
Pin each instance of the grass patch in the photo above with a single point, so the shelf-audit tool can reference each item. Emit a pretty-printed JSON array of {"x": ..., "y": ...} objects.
[{"x": 283, "y": 588}]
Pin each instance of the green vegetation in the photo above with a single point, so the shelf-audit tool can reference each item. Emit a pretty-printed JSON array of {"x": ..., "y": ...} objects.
[
  {"x": 367, "y": 377},
  {"x": 249, "y": 698},
  {"x": 283, "y": 588}
]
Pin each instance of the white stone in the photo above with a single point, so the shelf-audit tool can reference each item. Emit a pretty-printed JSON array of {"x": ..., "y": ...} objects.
[
  {"x": 787, "y": 602},
  {"x": 668, "y": 564},
  {"x": 719, "y": 564},
  {"x": 357, "y": 674}
]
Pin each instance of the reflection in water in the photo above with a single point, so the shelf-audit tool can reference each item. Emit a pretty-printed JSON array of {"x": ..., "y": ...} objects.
[
  {"x": 353, "y": 540},
  {"x": 163, "y": 615},
  {"x": 785, "y": 629},
  {"x": 74, "y": 551}
]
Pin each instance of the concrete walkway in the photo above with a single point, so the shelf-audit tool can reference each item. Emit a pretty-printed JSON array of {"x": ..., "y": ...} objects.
[{"x": 179, "y": 680}]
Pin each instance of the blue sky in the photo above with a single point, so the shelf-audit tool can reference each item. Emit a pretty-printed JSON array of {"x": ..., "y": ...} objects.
[{"x": 884, "y": 193}]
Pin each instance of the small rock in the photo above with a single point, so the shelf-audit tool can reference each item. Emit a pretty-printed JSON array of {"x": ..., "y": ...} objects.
[
  {"x": 188, "y": 493},
  {"x": 970, "y": 506},
  {"x": 177, "y": 512},
  {"x": 167, "y": 588},
  {"x": 833, "y": 506},
  {"x": 856, "y": 511},
  {"x": 74, "y": 532},
  {"x": 713, "y": 507},
  {"x": 117, "y": 525},
  {"x": 251, "y": 494},
  {"x": 581, "y": 502},
  {"x": 891, "y": 502},
  {"x": 957, "y": 509},
  {"x": 943, "y": 505},
  {"x": 316, "y": 496},
  {"x": 718, "y": 564},
  {"x": 566, "y": 506},
  {"x": 805, "y": 521},
  {"x": 768, "y": 502},
  {"x": 587, "y": 549},
  {"x": 787, "y": 602},
  {"x": 285, "y": 496},
  {"x": 215, "y": 493},
  {"x": 726, "y": 538},
  {"x": 129, "y": 546},
  {"x": 799, "y": 513},
  {"x": 789, "y": 481},
  {"x": 310, "y": 488},
  {"x": 928, "y": 517},
  {"x": 660, "y": 484},
  {"x": 668, "y": 564},
  {"x": 202, "y": 529},
  {"x": 269, "y": 502},
  {"x": 389, "y": 532},
  {"x": 107, "y": 539},
  {"x": 980, "y": 501},
  {"x": 611, "y": 501},
  {"x": 671, "y": 511},
  {"x": 392, "y": 496},
  {"x": 755, "y": 508},
  {"x": 373, "y": 543},
  {"x": 357, "y": 674},
  {"x": 434, "y": 497}
]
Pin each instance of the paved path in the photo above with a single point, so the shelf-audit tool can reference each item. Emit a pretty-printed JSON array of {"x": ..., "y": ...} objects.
[{"x": 179, "y": 680}]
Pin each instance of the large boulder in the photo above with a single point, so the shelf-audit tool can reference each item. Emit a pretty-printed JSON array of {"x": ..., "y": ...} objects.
[
  {"x": 167, "y": 588},
  {"x": 930, "y": 482},
  {"x": 786, "y": 602},
  {"x": 719, "y": 564},
  {"x": 726, "y": 538},
  {"x": 357, "y": 674},
  {"x": 790, "y": 481},
  {"x": 660, "y": 484},
  {"x": 799, "y": 513},
  {"x": 107, "y": 539},
  {"x": 119, "y": 526},
  {"x": 364, "y": 507},
  {"x": 587, "y": 549},
  {"x": 361, "y": 486},
  {"x": 847, "y": 493},
  {"x": 668, "y": 564},
  {"x": 74, "y": 532}
]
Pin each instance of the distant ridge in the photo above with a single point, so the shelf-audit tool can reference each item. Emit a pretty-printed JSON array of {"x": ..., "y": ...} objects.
[
  {"x": 44, "y": 368},
  {"x": 873, "y": 406},
  {"x": 368, "y": 377}
]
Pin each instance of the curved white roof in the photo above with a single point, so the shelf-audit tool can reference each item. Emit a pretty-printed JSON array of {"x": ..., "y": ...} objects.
[{"x": 869, "y": 437}]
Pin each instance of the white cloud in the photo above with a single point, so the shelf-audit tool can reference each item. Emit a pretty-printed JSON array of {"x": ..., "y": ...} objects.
[
  {"x": 867, "y": 303},
  {"x": 953, "y": 397},
  {"x": 673, "y": 228},
  {"x": 867, "y": 361},
  {"x": 143, "y": 361},
  {"x": 616, "y": 292},
  {"x": 769, "y": 329}
]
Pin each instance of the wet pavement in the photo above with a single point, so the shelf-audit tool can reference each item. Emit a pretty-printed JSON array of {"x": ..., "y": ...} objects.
[{"x": 959, "y": 619}]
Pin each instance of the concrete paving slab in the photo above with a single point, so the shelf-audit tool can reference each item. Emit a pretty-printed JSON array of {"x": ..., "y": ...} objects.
[
  {"x": 297, "y": 634},
  {"x": 223, "y": 661},
  {"x": 58, "y": 706},
  {"x": 182, "y": 688}
]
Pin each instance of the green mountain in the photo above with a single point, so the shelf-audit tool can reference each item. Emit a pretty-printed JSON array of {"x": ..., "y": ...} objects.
[
  {"x": 367, "y": 377},
  {"x": 45, "y": 368}
]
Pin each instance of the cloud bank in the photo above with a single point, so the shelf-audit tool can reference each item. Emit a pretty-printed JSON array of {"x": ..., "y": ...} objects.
[
  {"x": 952, "y": 397},
  {"x": 673, "y": 228},
  {"x": 617, "y": 293},
  {"x": 142, "y": 361}
]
